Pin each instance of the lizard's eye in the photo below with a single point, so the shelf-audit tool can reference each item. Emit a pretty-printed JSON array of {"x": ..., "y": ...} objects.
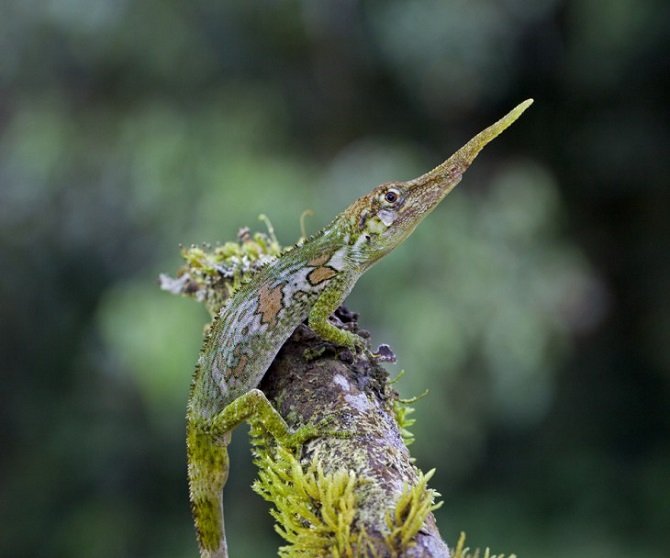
[{"x": 391, "y": 196}]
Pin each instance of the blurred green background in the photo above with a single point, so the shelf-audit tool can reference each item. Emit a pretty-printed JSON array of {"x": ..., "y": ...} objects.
[{"x": 533, "y": 303}]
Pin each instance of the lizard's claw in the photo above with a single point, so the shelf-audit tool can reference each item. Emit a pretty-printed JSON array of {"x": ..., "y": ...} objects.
[{"x": 356, "y": 344}]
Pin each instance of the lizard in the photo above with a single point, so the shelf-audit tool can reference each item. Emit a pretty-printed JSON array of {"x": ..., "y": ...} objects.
[{"x": 308, "y": 281}]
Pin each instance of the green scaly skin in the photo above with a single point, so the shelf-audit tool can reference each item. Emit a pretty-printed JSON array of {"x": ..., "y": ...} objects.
[{"x": 308, "y": 281}]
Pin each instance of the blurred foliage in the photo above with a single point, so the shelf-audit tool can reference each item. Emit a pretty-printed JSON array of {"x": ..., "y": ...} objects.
[{"x": 533, "y": 303}]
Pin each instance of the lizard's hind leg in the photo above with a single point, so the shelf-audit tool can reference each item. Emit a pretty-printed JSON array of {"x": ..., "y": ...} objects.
[
  {"x": 254, "y": 406},
  {"x": 208, "y": 460}
]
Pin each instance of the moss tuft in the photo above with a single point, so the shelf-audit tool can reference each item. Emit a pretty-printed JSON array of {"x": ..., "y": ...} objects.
[
  {"x": 314, "y": 511},
  {"x": 402, "y": 410},
  {"x": 409, "y": 514},
  {"x": 212, "y": 273}
]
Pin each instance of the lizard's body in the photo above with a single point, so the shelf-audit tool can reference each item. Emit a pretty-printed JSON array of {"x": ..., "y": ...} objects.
[{"x": 308, "y": 281}]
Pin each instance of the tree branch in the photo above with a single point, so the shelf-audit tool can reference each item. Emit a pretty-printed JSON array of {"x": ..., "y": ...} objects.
[{"x": 358, "y": 495}]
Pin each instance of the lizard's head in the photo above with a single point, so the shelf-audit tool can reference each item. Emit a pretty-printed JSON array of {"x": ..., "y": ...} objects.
[{"x": 382, "y": 219}]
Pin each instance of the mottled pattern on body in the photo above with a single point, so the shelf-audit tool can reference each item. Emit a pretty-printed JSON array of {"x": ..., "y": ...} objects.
[{"x": 256, "y": 320}]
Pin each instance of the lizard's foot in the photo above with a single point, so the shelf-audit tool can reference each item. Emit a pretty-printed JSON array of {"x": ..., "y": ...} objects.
[
  {"x": 348, "y": 340},
  {"x": 357, "y": 343},
  {"x": 335, "y": 335}
]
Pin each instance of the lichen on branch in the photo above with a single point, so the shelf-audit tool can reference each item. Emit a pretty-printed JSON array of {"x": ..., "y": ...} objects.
[{"x": 211, "y": 274}]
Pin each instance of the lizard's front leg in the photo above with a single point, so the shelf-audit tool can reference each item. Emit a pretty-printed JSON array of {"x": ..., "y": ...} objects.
[
  {"x": 329, "y": 299},
  {"x": 208, "y": 462}
]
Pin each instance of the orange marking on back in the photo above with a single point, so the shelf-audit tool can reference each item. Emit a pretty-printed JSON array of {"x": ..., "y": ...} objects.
[
  {"x": 321, "y": 274},
  {"x": 269, "y": 304},
  {"x": 238, "y": 371},
  {"x": 319, "y": 260}
]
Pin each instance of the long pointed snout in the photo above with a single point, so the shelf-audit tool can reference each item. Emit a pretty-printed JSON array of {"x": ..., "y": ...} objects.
[{"x": 443, "y": 178}]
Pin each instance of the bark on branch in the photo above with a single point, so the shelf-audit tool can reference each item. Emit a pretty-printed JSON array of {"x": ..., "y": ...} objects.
[{"x": 364, "y": 496}]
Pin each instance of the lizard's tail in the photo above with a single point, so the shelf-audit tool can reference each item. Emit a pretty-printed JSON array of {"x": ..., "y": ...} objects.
[{"x": 207, "y": 474}]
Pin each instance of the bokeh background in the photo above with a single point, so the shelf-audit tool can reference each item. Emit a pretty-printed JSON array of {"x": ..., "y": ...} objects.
[{"x": 533, "y": 303}]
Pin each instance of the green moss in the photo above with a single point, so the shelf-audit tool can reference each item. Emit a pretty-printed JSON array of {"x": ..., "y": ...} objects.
[
  {"x": 402, "y": 410},
  {"x": 212, "y": 273},
  {"x": 317, "y": 513},
  {"x": 461, "y": 551},
  {"x": 314, "y": 511},
  {"x": 411, "y": 510}
]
